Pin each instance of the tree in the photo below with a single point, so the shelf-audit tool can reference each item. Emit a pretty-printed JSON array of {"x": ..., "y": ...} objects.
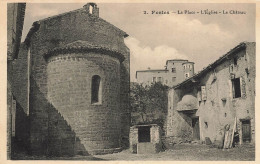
[{"x": 148, "y": 103}]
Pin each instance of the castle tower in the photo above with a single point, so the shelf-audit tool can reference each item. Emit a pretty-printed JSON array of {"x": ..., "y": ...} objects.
[
  {"x": 179, "y": 70},
  {"x": 188, "y": 68},
  {"x": 176, "y": 71}
]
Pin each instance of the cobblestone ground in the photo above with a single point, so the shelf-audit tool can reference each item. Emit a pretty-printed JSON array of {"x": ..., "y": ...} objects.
[{"x": 184, "y": 152}]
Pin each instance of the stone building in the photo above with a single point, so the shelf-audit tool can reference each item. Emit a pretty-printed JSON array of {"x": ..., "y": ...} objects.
[
  {"x": 145, "y": 139},
  {"x": 75, "y": 85},
  {"x": 175, "y": 71},
  {"x": 202, "y": 105},
  {"x": 15, "y": 21}
]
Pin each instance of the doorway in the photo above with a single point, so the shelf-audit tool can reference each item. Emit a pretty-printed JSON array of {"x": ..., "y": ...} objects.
[
  {"x": 144, "y": 134},
  {"x": 246, "y": 131},
  {"x": 196, "y": 128}
]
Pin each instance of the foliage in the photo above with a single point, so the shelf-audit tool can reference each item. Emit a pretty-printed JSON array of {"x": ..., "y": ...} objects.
[{"x": 148, "y": 103}]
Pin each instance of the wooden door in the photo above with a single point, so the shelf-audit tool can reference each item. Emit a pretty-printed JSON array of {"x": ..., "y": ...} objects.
[
  {"x": 246, "y": 131},
  {"x": 196, "y": 129}
]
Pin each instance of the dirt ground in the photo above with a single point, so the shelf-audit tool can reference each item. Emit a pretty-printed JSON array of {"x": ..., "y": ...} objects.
[
  {"x": 183, "y": 152},
  {"x": 188, "y": 152}
]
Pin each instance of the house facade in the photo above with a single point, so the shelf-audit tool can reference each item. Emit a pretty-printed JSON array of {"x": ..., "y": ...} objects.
[
  {"x": 175, "y": 71},
  {"x": 222, "y": 93},
  {"x": 15, "y": 22}
]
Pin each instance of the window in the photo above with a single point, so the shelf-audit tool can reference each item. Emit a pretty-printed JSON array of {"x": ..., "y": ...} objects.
[
  {"x": 184, "y": 67},
  {"x": 212, "y": 103},
  {"x": 235, "y": 61},
  {"x": 174, "y": 70},
  {"x": 199, "y": 103},
  {"x": 199, "y": 95},
  {"x": 159, "y": 79},
  {"x": 206, "y": 125},
  {"x": 154, "y": 79},
  {"x": 91, "y": 9},
  {"x": 231, "y": 68},
  {"x": 214, "y": 73},
  {"x": 187, "y": 75},
  {"x": 203, "y": 94},
  {"x": 236, "y": 89},
  {"x": 96, "y": 89},
  {"x": 166, "y": 81},
  {"x": 224, "y": 101},
  {"x": 173, "y": 79}
]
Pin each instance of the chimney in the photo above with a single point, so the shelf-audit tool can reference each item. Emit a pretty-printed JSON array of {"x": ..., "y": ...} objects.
[{"x": 92, "y": 9}]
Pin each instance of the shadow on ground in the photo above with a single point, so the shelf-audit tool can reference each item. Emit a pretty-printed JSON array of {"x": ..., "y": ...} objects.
[
  {"x": 182, "y": 152},
  {"x": 189, "y": 152}
]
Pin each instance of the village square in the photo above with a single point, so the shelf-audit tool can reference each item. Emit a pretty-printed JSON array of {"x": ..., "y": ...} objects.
[{"x": 71, "y": 95}]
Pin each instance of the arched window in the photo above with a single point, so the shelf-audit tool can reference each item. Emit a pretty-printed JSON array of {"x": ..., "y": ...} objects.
[
  {"x": 91, "y": 9},
  {"x": 96, "y": 89}
]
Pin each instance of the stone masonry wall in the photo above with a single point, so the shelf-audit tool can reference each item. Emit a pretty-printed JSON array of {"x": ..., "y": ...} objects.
[
  {"x": 251, "y": 54},
  {"x": 133, "y": 139},
  {"x": 178, "y": 124},
  {"x": 69, "y": 90},
  {"x": 20, "y": 93},
  {"x": 58, "y": 31},
  {"x": 155, "y": 136},
  {"x": 124, "y": 99},
  {"x": 218, "y": 113},
  {"x": 219, "y": 108},
  {"x": 20, "y": 78}
]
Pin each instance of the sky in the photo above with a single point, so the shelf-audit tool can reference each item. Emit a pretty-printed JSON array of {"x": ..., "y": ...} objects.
[{"x": 155, "y": 38}]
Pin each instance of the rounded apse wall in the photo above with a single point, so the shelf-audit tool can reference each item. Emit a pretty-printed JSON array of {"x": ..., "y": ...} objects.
[{"x": 85, "y": 89}]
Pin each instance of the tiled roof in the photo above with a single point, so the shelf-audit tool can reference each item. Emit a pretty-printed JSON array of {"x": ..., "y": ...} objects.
[
  {"x": 176, "y": 60},
  {"x": 212, "y": 65},
  {"x": 187, "y": 62},
  {"x": 79, "y": 10},
  {"x": 84, "y": 46},
  {"x": 152, "y": 70},
  {"x": 35, "y": 27}
]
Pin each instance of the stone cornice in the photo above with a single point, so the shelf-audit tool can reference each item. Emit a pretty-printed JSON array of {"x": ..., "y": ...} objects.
[{"x": 83, "y": 47}]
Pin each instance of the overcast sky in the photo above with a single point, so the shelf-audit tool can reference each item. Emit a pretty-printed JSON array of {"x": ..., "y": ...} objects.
[{"x": 153, "y": 39}]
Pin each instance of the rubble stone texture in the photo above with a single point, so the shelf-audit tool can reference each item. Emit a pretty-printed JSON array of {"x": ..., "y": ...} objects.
[
  {"x": 219, "y": 106},
  {"x": 66, "y": 51},
  {"x": 155, "y": 144},
  {"x": 15, "y": 21}
]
